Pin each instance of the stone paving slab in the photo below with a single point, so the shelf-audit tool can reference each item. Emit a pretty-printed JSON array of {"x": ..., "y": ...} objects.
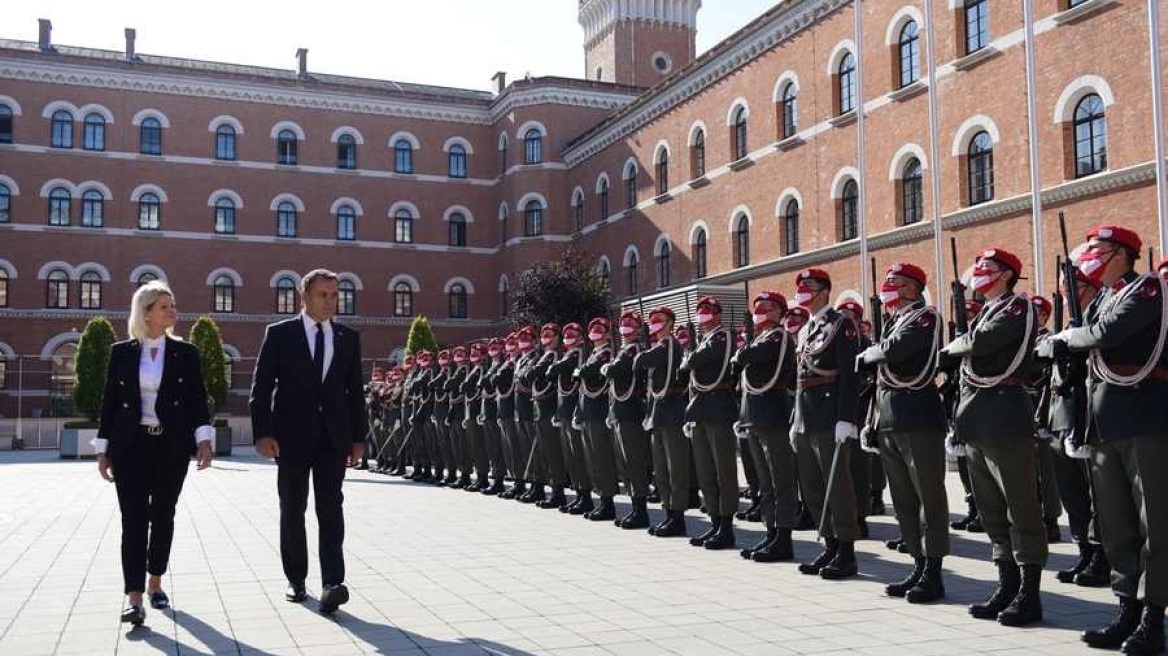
[{"x": 437, "y": 572}]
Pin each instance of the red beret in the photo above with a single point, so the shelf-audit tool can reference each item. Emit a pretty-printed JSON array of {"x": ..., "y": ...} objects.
[
  {"x": 1117, "y": 235},
  {"x": 772, "y": 297},
  {"x": 575, "y": 327},
  {"x": 598, "y": 322},
  {"x": 1002, "y": 257},
  {"x": 1163, "y": 263},
  {"x": 664, "y": 309},
  {"x": 495, "y": 341},
  {"x": 799, "y": 311},
  {"x": 711, "y": 302},
  {"x": 813, "y": 274},
  {"x": 1041, "y": 304},
  {"x": 630, "y": 315},
  {"x": 910, "y": 271},
  {"x": 526, "y": 330},
  {"x": 443, "y": 352},
  {"x": 554, "y": 327},
  {"x": 852, "y": 305}
]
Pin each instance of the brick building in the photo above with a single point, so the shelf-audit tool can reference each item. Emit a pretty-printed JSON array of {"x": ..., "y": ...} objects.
[{"x": 739, "y": 165}]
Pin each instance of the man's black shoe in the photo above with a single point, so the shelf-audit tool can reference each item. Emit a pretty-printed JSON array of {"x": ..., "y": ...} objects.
[
  {"x": 295, "y": 593},
  {"x": 332, "y": 597}
]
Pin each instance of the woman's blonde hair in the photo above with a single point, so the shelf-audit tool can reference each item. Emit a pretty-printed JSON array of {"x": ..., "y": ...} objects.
[{"x": 143, "y": 300}]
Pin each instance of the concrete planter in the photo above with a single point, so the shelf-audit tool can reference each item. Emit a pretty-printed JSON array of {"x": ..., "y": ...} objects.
[
  {"x": 223, "y": 440},
  {"x": 75, "y": 442}
]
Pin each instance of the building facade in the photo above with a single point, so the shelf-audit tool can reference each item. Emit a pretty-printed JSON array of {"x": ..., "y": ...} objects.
[{"x": 739, "y": 166}]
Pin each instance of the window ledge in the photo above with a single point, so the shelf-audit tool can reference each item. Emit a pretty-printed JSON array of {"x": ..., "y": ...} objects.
[
  {"x": 741, "y": 163},
  {"x": 698, "y": 182},
  {"x": 790, "y": 142},
  {"x": 661, "y": 199},
  {"x": 225, "y": 162},
  {"x": 1080, "y": 12},
  {"x": 974, "y": 58},
  {"x": 904, "y": 93},
  {"x": 843, "y": 119},
  {"x": 225, "y": 237}
]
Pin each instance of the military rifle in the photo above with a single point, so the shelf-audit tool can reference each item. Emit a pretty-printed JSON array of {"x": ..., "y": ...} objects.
[
  {"x": 1056, "y": 299},
  {"x": 960, "y": 320},
  {"x": 643, "y": 333},
  {"x": 1071, "y": 367},
  {"x": 877, "y": 307},
  {"x": 689, "y": 327},
  {"x": 748, "y": 316}
]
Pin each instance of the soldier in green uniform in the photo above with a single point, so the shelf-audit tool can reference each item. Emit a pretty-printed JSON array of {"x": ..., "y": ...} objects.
[
  {"x": 574, "y": 449},
  {"x": 626, "y": 391},
  {"x": 995, "y": 420},
  {"x": 824, "y": 420},
  {"x": 711, "y": 413},
  {"x": 550, "y": 447},
  {"x": 1125, "y": 331},
  {"x": 446, "y": 467},
  {"x": 422, "y": 402},
  {"x": 768, "y": 374},
  {"x": 860, "y": 460},
  {"x": 406, "y": 448},
  {"x": 488, "y": 415},
  {"x": 534, "y": 471},
  {"x": 456, "y": 428},
  {"x": 593, "y": 412},
  {"x": 475, "y": 436},
  {"x": 666, "y": 396},
  {"x": 1037, "y": 384},
  {"x": 906, "y": 427},
  {"x": 506, "y": 392}
]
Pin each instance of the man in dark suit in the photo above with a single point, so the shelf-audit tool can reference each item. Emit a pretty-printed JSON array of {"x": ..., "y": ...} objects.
[{"x": 307, "y": 412}]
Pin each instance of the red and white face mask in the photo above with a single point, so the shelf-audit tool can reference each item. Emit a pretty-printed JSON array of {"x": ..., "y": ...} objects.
[
  {"x": 459, "y": 358},
  {"x": 597, "y": 336},
  {"x": 705, "y": 317},
  {"x": 983, "y": 278},
  {"x": 889, "y": 293},
  {"x": 627, "y": 328},
  {"x": 476, "y": 357},
  {"x": 655, "y": 327},
  {"x": 1092, "y": 265},
  {"x": 805, "y": 295},
  {"x": 425, "y": 362},
  {"x": 525, "y": 344},
  {"x": 443, "y": 360},
  {"x": 571, "y": 340},
  {"x": 511, "y": 347},
  {"x": 759, "y": 318},
  {"x": 546, "y": 340},
  {"x": 493, "y": 351}
]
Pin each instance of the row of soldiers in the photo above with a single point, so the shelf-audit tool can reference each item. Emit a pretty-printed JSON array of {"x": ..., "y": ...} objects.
[{"x": 810, "y": 398}]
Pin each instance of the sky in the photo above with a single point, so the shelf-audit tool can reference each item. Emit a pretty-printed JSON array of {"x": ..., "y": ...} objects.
[{"x": 458, "y": 43}]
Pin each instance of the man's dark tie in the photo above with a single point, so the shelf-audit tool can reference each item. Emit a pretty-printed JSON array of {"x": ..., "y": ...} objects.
[{"x": 318, "y": 353}]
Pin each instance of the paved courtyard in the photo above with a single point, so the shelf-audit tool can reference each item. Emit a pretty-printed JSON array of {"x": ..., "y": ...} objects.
[{"x": 447, "y": 573}]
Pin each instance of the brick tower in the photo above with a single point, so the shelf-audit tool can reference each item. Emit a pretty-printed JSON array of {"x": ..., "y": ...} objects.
[{"x": 637, "y": 42}]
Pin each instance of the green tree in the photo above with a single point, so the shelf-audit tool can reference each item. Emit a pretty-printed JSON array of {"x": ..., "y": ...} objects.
[
  {"x": 207, "y": 339},
  {"x": 91, "y": 364},
  {"x": 421, "y": 337},
  {"x": 564, "y": 290}
]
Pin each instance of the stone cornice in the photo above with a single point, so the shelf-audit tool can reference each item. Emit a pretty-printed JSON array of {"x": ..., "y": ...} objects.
[{"x": 237, "y": 317}]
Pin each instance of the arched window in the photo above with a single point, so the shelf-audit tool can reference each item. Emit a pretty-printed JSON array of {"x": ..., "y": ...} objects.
[
  {"x": 285, "y": 296},
  {"x": 846, "y": 83},
  {"x": 663, "y": 253},
  {"x": 146, "y": 277},
  {"x": 699, "y": 254},
  {"x": 403, "y": 227},
  {"x": 225, "y": 216},
  {"x": 697, "y": 154},
  {"x": 457, "y": 309},
  {"x": 605, "y": 272},
  {"x": 346, "y": 298},
  {"x": 57, "y": 289},
  {"x": 578, "y": 211},
  {"x": 150, "y": 136},
  {"x": 224, "y": 295},
  {"x": 738, "y": 134},
  {"x": 3, "y": 288},
  {"x": 346, "y": 223},
  {"x": 149, "y": 212},
  {"x": 662, "y": 172},
  {"x": 456, "y": 161},
  {"x": 63, "y": 375},
  {"x": 533, "y": 219},
  {"x": 632, "y": 277},
  {"x": 910, "y": 53},
  {"x": 602, "y": 197},
  {"x": 61, "y": 135},
  {"x": 403, "y": 156},
  {"x": 457, "y": 229},
  {"x": 225, "y": 142},
  {"x": 631, "y": 187},
  {"x": 791, "y": 227},
  {"x": 742, "y": 241},
  {"x": 5, "y": 123},
  {"x": 92, "y": 209},
  {"x": 94, "y": 132},
  {"x": 90, "y": 291},
  {"x": 850, "y": 211},
  {"x": 346, "y": 152},
  {"x": 981, "y": 168},
  {"x": 912, "y": 194},
  {"x": 60, "y": 206},
  {"x": 1090, "y": 136},
  {"x": 5, "y": 203},
  {"x": 403, "y": 300},
  {"x": 977, "y": 25},
  {"x": 503, "y": 155},
  {"x": 504, "y": 297},
  {"x": 532, "y": 147},
  {"x": 789, "y": 110},
  {"x": 286, "y": 216},
  {"x": 286, "y": 147}
]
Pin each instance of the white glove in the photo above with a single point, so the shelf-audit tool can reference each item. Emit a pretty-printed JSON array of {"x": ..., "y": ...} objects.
[
  {"x": 1045, "y": 435},
  {"x": 844, "y": 431},
  {"x": 610, "y": 422},
  {"x": 481, "y": 420},
  {"x": 868, "y": 441},
  {"x": 1076, "y": 452},
  {"x": 740, "y": 431},
  {"x": 688, "y": 429},
  {"x": 604, "y": 369},
  {"x": 871, "y": 354},
  {"x": 953, "y": 447},
  {"x": 793, "y": 435}
]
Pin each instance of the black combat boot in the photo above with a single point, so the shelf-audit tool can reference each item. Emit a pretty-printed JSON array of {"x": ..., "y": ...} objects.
[
  {"x": 843, "y": 565},
  {"x": 606, "y": 511},
  {"x": 575, "y": 502},
  {"x": 777, "y": 550},
  {"x": 695, "y": 502},
  {"x": 894, "y": 544},
  {"x": 805, "y": 522},
  {"x": 518, "y": 489},
  {"x": 496, "y": 488},
  {"x": 1053, "y": 534},
  {"x": 752, "y": 508},
  {"x": 1086, "y": 550},
  {"x": 534, "y": 494},
  {"x": 556, "y": 500},
  {"x": 930, "y": 587},
  {"x": 971, "y": 516},
  {"x": 877, "y": 504},
  {"x": 749, "y": 551},
  {"x": 638, "y": 518},
  {"x": 902, "y": 588},
  {"x": 1009, "y": 580},
  {"x": 724, "y": 537},
  {"x": 1097, "y": 574},
  {"x": 583, "y": 504},
  {"x": 830, "y": 546},
  {"x": 865, "y": 533},
  {"x": 674, "y": 526},
  {"x": 1149, "y": 636},
  {"x": 1123, "y": 625},
  {"x": 715, "y": 523}
]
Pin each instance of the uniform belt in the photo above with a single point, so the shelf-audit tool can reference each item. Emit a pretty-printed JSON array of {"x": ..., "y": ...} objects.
[
  {"x": 1157, "y": 373},
  {"x": 152, "y": 430},
  {"x": 719, "y": 388},
  {"x": 816, "y": 381},
  {"x": 677, "y": 390},
  {"x": 1013, "y": 381}
]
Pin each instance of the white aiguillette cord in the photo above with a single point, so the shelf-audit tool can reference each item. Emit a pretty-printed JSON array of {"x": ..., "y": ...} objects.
[
  {"x": 1105, "y": 373},
  {"x": 758, "y": 391}
]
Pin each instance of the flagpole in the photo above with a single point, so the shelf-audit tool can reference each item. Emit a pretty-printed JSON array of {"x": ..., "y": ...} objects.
[
  {"x": 861, "y": 152},
  {"x": 1035, "y": 172},
  {"x": 935, "y": 168},
  {"x": 1158, "y": 122}
]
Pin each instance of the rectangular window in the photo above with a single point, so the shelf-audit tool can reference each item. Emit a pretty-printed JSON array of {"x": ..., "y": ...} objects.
[
  {"x": 225, "y": 146},
  {"x": 94, "y": 136},
  {"x": 225, "y": 220},
  {"x": 458, "y": 233},
  {"x": 62, "y": 136},
  {"x": 151, "y": 140},
  {"x": 57, "y": 294},
  {"x": 92, "y": 213},
  {"x": 404, "y": 231},
  {"x": 5, "y": 124},
  {"x": 90, "y": 295},
  {"x": 977, "y": 25}
]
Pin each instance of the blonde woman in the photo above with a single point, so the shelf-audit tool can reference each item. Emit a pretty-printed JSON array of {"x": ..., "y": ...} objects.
[{"x": 154, "y": 417}]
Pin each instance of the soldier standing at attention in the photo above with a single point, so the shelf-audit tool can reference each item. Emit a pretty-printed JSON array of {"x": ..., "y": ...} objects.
[
  {"x": 665, "y": 392},
  {"x": 1124, "y": 335},
  {"x": 487, "y": 417},
  {"x": 594, "y": 409},
  {"x": 543, "y": 392},
  {"x": 567, "y": 403},
  {"x": 1038, "y": 385},
  {"x": 712, "y": 412},
  {"x": 445, "y": 459},
  {"x": 824, "y": 420},
  {"x": 627, "y": 412},
  {"x": 768, "y": 373},
  {"x": 458, "y": 431},
  {"x": 533, "y": 470},
  {"x": 995, "y": 420},
  {"x": 506, "y": 394},
  {"x": 860, "y": 460},
  {"x": 907, "y": 428},
  {"x": 423, "y": 409}
]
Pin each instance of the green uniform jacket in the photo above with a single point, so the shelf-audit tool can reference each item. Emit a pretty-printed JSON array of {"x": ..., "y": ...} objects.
[
  {"x": 907, "y": 350},
  {"x": 827, "y": 348},
  {"x": 759, "y": 361},
  {"x": 622, "y": 377},
  {"x": 704, "y": 366},
  {"x": 502, "y": 377},
  {"x": 1123, "y": 327},
  {"x": 525, "y": 373},
  {"x": 543, "y": 384},
  {"x": 567, "y": 387},
  {"x": 669, "y": 410},
  {"x": 990, "y": 346},
  {"x": 423, "y": 398},
  {"x": 441, "y": 395},
  {"x": 490, "y": 407},
  {"x": 591, "y": 380}
]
